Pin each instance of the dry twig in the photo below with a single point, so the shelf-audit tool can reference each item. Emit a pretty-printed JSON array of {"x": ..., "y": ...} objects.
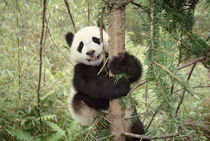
[
  {"x": 48, "y": 30},
  {"x": 151, "y": 137},
  {"x": 94, "y": 125},
  {"x": 71, "y": 17}
]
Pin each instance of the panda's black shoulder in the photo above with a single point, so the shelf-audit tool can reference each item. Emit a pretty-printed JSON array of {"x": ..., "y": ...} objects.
[
  {"x": 84, "y": 69},
  {"x": 80, "y": 66}
]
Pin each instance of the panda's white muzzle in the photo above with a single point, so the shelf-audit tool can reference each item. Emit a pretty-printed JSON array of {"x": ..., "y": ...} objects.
[{"x": 93, "y": 58}]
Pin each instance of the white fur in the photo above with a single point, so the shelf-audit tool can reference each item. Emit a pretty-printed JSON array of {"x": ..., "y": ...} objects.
[
  {"x": 85, "y": 35},
  {"x": 86, "y": 115}
]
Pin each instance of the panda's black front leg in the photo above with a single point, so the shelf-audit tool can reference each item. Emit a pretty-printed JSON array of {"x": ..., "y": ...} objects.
[
  {"x": 126, "y": 63},
  {"x": 96, "y": 86}
]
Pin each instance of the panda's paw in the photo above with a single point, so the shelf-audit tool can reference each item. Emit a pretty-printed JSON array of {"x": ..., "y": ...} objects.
[
  {"x": 119, "y": 64},
  {"x": 124, "y": 86}
]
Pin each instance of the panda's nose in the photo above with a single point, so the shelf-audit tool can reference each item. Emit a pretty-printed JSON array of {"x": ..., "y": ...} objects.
[{"x": 90, "y": 53}]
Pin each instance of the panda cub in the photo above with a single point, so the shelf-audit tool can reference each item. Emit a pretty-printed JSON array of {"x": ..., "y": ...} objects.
[{"x": 90, "y": 91}]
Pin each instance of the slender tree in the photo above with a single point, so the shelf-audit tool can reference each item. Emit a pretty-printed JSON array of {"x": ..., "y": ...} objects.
[{"x": 116, "y": 31}]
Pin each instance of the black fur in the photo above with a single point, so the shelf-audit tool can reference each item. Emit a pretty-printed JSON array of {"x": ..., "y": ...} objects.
[
  {"x": 126, "y": 63},
  {"x": 96, "y": 40},
  {"x": 98, "y": 104},
  {"x": 81, "y": 44},
  {"x": 136, "y": 128},
  {"x": 69, "y": 38},
  {"x": 96, "y": 86}
]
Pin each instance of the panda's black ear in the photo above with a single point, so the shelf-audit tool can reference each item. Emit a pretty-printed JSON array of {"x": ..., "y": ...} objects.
[{"x": 69, "y": 38}]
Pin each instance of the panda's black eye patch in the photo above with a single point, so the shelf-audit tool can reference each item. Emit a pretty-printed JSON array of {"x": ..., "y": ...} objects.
[
  {"x": 96, "y": 40},
  {"x": 81, "y": 44}
]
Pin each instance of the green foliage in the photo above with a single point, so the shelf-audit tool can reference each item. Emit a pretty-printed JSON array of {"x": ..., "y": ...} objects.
[
  {"x": 196, "y": 46},
  {"x": 101, "y": 130},
  {"x": 21, "y": 135},
  {"x": 172, "y": 26},
  {"x": 180, "y": 12},
  {"x": 54, "y": 127},
  {"x": 117, "y": 77},
  {"x": 47, "y": 117},
  {"x": 74, "y": 132}
]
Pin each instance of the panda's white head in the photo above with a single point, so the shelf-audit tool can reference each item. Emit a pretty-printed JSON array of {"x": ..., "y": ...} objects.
[{"x": 86, "y": 46}]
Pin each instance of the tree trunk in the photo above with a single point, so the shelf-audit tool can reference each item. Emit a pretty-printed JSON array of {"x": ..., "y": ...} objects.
[{"x": 116, "y": 31}]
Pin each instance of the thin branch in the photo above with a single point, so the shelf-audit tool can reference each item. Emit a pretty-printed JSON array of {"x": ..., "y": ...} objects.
[
  {"x": 88, "y": 4},
  {"x": 53, "y": 86},
  {"x": 104, "y": 65},
  {"x": 71, "y": 17},
  {"x": 136, "y": 86},
  {"x": 153, "y": 117},
  {"x": 103, "y": 138},
  {"x": 94, "y": 124},
  {"x": 158, "y": 83},
  {"x": 18, "y": 45},
  {"x": 48, "y": 30},
  {"x": 151, "y": 137},
  {"x": 105, "y": 118},
  {"x": 106, "y": 1},
  {"x": 198, "y": 86},
  {"x": 40, "y": 60},
  {"x": 139, "y": 14},
  {"x": 167, "y": 39},
  {"x": 179, "y": 61},
  {"x": 168, "y": 71},
  {"x": 152, "y": 21},
  {"x": 121, "y": 3},
  {"x": 183, "y": 94},
  {"x": 185, "y": 58},
  {"x": 126, "y": 2},
  {"x": 64, "y": 12},
  {"x": 191, "y": 36},
  {"x": 165, "y": 51},
  {"x": 101, "y": 32},
  {"x": 201, "y": 58},
  {"x": 142, "y": 7},
  {"x": 146, "y": 101}
]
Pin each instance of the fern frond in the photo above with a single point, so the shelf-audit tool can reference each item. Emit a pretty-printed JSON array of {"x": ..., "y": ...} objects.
[
  {"x": 55, "y": 128},
  {"x": 21, "y": 135}
]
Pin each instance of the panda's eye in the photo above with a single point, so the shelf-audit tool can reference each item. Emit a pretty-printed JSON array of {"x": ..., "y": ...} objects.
[
  {"x": 81, "y": 44},
  {"x": 96, "y": 40}
]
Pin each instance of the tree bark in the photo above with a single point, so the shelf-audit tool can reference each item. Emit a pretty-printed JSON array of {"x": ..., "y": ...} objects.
[{"x": 116, "y": 32}]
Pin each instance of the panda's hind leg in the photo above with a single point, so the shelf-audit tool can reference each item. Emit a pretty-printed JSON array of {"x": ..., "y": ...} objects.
[
  {"x": 133, "y": 124},
  {"x": 79, "y": 111}
]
